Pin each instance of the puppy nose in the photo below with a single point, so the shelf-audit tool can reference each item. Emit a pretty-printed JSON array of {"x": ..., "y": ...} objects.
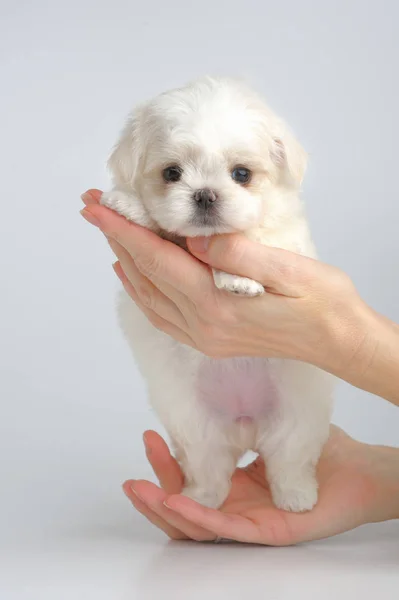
[{"x": 205, "y": 197}]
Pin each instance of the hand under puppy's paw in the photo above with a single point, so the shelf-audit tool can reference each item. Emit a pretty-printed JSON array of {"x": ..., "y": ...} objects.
[{"x": 242, "y": 286}]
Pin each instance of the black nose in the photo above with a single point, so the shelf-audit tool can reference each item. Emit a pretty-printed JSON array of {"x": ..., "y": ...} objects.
[{"x": 205, "y": 198}]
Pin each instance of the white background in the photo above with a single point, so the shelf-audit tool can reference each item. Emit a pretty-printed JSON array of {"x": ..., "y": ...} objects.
[{"x": 72, "y": 407}]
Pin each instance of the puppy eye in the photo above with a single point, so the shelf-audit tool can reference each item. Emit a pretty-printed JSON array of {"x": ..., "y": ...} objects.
[
  {"x": 241, "y": 174},
  {"x": 172, "y": 174}
]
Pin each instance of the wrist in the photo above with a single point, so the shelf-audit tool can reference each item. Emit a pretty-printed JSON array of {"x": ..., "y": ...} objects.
[
  {"x": 367, "y": 350},
  {"x": 378, "y": 373}
]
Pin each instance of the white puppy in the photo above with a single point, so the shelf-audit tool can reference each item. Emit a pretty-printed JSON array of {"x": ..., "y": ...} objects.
[{"x": 205, "y": 159}]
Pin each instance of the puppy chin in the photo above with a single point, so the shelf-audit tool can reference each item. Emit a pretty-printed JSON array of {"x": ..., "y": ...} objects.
[{"x": 204, "y": 230}]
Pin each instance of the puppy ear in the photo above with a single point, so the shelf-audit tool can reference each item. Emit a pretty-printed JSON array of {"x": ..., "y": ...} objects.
[
  {"x": 127, "y": 154},
  {"x": 291, "y": 159}
]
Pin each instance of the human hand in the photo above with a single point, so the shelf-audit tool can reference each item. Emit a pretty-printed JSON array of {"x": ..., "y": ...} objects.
[
  {"x": 311, "y": 312},
  {"x": 358, "y": 484}
]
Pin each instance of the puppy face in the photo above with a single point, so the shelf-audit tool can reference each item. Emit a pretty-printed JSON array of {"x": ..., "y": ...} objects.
[{"x": 208, "y": 158}]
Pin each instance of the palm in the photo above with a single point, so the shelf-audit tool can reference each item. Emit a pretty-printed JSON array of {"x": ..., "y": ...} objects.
[{"x": 345, "y": 499}]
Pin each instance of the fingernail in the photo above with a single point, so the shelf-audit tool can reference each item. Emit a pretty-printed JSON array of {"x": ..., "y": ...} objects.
[
  {"x": 148, "y": 449},
  {"x": 125, "y": 492},
  {"x": 87, "y": 198},
  {"x": 165, "y": 503},
  {"x": 89, "y": 217},
  {"x": 136, "y": 493},
  {"x": 198, "y": 244},
  {"x": 116, "y": 267},
  {"x": 112, "y": 244},
  {"x": 119, "y": 273}
]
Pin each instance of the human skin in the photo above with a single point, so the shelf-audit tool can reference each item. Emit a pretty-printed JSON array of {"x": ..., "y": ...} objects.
[
  {"x": 311, "y": 313},
  {"x": 358, "y": 484}
]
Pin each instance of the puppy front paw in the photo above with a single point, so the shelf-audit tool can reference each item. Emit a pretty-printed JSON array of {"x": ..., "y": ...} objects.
[
  {"x": 127, "y": 206},
  {"x": 115, "y": 200},
  {"x": 242, "y": 286},
  {"x": 205, "y": 497},
  {"x": 296, "y": 496}
]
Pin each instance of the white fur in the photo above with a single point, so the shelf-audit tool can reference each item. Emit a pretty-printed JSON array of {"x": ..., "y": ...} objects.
[{"x": 215, "y": 410}]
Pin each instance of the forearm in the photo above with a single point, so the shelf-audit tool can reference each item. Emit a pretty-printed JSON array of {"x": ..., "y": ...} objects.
[{"x": 370, "y": 360}]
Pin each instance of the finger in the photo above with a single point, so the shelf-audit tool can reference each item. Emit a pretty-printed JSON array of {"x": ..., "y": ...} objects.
[
  {"x": 151, "y": 516},
  {"x": 164, "y": 465},
  {"x": 91, "y": 197},
  {"x": 156, "y": 258},
  {"x": 148, "y": 294},
  {"x": 233, "y": 527},
  {"x": 158, "y": 322},
  {"x": 154, "y": 498},
  {"x": 280, "y": 271},
  {"x": 166, "y": 296}
]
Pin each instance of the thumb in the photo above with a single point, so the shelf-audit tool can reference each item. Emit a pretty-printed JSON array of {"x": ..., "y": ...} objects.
[{"x": 279, "y": 271}]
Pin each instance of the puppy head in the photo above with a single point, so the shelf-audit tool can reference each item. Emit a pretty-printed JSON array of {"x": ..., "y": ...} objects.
[{"x": 208, "y": 158}]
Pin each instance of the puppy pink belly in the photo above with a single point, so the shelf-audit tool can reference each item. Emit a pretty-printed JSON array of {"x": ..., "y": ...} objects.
[{"x": 239, "y": 389}]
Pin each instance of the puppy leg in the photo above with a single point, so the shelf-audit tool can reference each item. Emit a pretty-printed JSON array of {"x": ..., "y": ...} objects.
[
  {"x": 242, "y": 286},
  {"x": 291, "y": 466},
  {"x": 292, "y": 475},
  {"x": 128, "y": 206},
  {"x": 291, "y": 443},
  {"x": 204, "y": 445},
  {"x": 207, "y": 468}
]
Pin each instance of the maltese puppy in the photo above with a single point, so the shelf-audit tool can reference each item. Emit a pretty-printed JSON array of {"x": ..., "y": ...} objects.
[{"x": 211, "y": 158}]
